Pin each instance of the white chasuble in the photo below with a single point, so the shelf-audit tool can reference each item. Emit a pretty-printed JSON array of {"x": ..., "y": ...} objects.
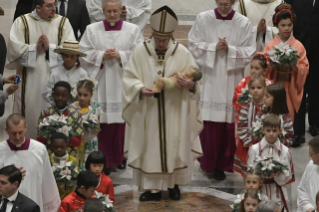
[
  {"x": 222, "y": 70},
  {"x": 109, "y": 73},
  {"x": 39, "y": 183},
  {"x": 161, "y": 137},
  {"x": 24, "y": 35},
  {"x": 137, "y": 11},
  {"x": 308, "y": 188},
  {"x": 255, "y": 10}
]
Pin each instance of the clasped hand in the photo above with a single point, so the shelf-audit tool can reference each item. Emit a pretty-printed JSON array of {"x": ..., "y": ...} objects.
[
  {"x": 43, "y": 43},
  {"x": 185, "y": 82},
  {"x": 262, "y": 26},
  {"x": 111, "y": 54},
  {"x": 222, "y": 45}
]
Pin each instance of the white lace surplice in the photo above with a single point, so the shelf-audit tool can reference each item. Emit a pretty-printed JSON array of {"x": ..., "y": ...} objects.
[
  {"x": 39, "y": 183},
  {"x": 221, "y": 71},
  {"x": 94, "y": 43}
]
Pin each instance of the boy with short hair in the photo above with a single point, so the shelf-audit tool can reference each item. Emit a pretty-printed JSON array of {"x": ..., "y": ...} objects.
[
  {"x": 59, "y": 145},
  {"x": 270, "y": 146},
  {"x": 86, "y": 184}
]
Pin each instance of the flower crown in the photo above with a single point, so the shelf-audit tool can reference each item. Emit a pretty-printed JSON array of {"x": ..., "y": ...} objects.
[
  {"x": 95, "y": 83},
  {"x": 283, "y": 7},
  {"x": 264, "y": 56}
]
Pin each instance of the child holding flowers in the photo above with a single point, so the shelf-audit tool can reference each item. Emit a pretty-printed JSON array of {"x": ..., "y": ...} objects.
[
  {"x": 61, "y": 117},
  {"x": 289, "y": 64},
  {"x": 90, "y": 117},
  {"x": 274, "y": 160},
  {"x": 59, "y": 157},
  {"x": 250, "y": 113},
  {"x": 275, "y": 102}
]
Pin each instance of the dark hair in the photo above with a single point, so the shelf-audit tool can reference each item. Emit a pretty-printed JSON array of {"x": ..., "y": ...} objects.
[
  {"x": 97, "y": 157},
  {"x": 314, "y": 143},
  {"x": 262, "y": 61},
  {"x": 272, "y": 120},
  {"x": 59, "y": 135},
  {"x": 250, "y": 193},
  {"x": 87, "y": 179},
  {"x": 268, "y": 206},
  {"x": 15, "y": 119},
  {"x": 13, "y": 174},
  {"x": 38, "y": 2},
  {"x": 279, "y": 105},
  {"x": 283, "y": 15},
  {"x": 93, "y": 205},
  {"x": 257, "y": 77},
  {"x": 86, "y": 84},
  {"x": 63, "y": 84}
]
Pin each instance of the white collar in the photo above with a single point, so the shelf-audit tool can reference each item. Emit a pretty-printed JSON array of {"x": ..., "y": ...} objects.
[
  {"x": 62, "y": 110},
  {"x": 72, "y": 69},
  {"x": 285, "y": 43},
  {"x": 264, "y": 144},
  {"x": 18, "y": 146},
  {"x": 35, "y": 15},
  {"x": 12, "y": 198},
  {"x": 61, "y": 158}
]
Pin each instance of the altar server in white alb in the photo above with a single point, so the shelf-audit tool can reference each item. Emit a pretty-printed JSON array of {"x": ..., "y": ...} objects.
[
  {"x": 33, "y": 38},
  {"x": 161, "y": 137},
  {"x": 309, "y": 184},
  {"x": 221, "y": 50},
  {"x": 39, "y": 183},
  {"x": 109, "y": 45},
  {"x": 260, "y": 13},
  {"x": 134, "y": 11}
]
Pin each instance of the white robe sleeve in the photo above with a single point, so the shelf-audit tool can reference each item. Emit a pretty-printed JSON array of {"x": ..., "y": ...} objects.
[
  {"x": 140, "y": 14},
  {"x": 96, "y": 11},
  {"x": 50, "y": 192},
  {"x": 282, "y": 179},
  {"x": 125, "y": 55},
  {"x": 48, "y": 89},
  {"x": 202, "y": 52},
  {"x": 239, "y": 56},
  {"x": 94, "y": 57},
  {"x": 303, "y": 200},
  {"x": 252, "y": 154}
]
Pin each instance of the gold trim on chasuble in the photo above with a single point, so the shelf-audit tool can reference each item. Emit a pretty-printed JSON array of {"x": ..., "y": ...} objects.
[
  {"x": 160, "y": 57},
  {"x": 27, "y": 41}
]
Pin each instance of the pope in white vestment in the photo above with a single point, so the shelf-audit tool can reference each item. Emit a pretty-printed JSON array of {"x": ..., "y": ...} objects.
[
  {"x": 137, "y": 11},
  {"x": 34, "y": 66},
  {"x": 98, "y": 39},
  {"x": 161, "y": 138},
  {"x": 221, "y": 50}
]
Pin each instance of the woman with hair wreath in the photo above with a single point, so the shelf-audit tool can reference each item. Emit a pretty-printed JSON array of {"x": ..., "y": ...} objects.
[{"x": 294, "y": 78}]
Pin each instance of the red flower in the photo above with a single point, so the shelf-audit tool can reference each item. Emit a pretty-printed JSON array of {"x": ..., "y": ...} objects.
[
  {"x": 42, "y": 139},
  {"x": 46, "y": 114},
  {"x": 66, "y": 113}
]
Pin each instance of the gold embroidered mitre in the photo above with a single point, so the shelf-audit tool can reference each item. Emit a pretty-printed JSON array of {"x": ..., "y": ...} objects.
[{"x": 163, "y": 21}]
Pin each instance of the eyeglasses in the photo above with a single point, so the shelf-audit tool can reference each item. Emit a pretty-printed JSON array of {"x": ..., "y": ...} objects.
[
  {"x": 223, "y": 5},
  {"x": 109, "y": 12},
  {"x": 51, "y": 6},
  {"x": 310, "y": 155}
]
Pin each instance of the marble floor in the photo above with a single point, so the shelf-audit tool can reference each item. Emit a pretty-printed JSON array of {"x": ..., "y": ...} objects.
[{"x": 203, "y": 193}]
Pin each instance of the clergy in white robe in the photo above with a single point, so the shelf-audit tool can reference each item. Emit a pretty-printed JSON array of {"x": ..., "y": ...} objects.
[
  {"x": 137, "y": 11},
  {"x": 221, "y": 50},
  {"x": 34, "y": 64},
  {"x": 255, "y": 11},
  {"x": 99, "y": 39},
  {"x": 39, "y": 183},
  {"x": 309, "y": 183},
  {"x": 161, "y": 137}
]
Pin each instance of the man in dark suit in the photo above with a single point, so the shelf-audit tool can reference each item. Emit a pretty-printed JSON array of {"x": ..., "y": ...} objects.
[
  {"x": 306, "y": 30},
  {"x": 75, "y": 10},
  {"x": 11, "y": 199}
]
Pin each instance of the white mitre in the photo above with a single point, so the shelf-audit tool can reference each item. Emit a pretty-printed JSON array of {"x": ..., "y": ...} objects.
[{"x": 163, "y": 21}]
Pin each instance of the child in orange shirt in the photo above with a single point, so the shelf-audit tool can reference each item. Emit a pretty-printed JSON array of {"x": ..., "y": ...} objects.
[{"x": 96, "y": 162}]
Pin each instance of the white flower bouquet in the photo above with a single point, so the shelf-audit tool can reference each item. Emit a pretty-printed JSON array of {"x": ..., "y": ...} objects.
[
  {"x": 74, "y": 93},
  {"x": 269, "y": 165},
  {"x": 236, "y": 204},
  {"x": 107, "y": 203},
  {"x": 65, "y": 173},
  {"x": 244, "y": 96},
  {"x": 283, "y": 54},
  {"x": 56, "y": 123},
  {"x": 90, "y": 122}
]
